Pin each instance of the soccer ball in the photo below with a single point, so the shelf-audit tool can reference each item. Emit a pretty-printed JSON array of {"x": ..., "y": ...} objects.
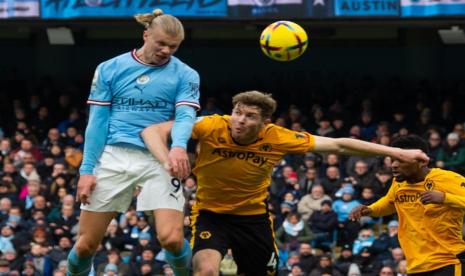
[{"x": 283, "y": 41}]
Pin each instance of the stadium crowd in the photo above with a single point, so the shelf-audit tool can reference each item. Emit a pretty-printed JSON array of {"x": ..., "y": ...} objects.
[{"x": 41, "y": 141}]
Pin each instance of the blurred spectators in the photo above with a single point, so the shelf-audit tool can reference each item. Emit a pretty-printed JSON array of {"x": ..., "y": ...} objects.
[
  {"x": 452, "y": 155},
  {"x": 115, "y": 264},
  {"x": 292, "y": 232},
  {"x": 365, "y": 240},
  {"x": 325, "y": 266},
  {"x": 323, "y": 224},
  {"x": 347, "y": 229},
  {"x": 312, "y": 202},
  {"x": 307, "y": 259},
  {"x": 345, "y": 260}
]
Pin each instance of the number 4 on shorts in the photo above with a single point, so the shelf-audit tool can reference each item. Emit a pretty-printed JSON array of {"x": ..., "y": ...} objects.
[{"x": 273, "y": 261}]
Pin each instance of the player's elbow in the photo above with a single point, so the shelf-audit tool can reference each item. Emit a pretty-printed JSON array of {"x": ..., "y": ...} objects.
[
  {"x": 339, "y": 146},
  {"x": 149, "y": 130}
]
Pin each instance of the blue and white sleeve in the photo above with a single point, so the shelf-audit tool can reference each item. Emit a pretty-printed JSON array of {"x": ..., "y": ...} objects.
[
  {"x": 99, "y": 117},
  {"x": 187, "y": 103},
  {"x": 182, "y": 126},
  {"x": 188, "y": 91}
]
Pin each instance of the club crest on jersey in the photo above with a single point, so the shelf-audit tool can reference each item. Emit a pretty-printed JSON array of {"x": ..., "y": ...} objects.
[
  {"x": 205, "y": 235},
  {"x": 429, "y": 185},
  {"x": 143, "y": 79},
  {"x": 462, "y": 184},
  {"x": 266, "y": 147}
]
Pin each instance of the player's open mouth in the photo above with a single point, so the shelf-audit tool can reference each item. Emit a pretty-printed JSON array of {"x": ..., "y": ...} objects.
[
  {"x": 161, "y": 57},
  {"x": 395, "y": 174}
]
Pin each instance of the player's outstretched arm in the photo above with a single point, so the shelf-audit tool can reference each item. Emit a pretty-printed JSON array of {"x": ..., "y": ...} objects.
[
  {"x": 156, "y": 139},
  {"x": 351, "y": 146}
]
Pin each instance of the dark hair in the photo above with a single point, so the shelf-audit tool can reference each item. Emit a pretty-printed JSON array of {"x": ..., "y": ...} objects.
[
  {"x": 114, "y": 251},
  {"x": 326, "y": 256},
  {"x": 411, "y": 141},
  {"x": 327, "y": 202},
  {"x": 264, "y": 101},
  {"x": 294, "y": 214},
  {"x": 384, "y": 170}
]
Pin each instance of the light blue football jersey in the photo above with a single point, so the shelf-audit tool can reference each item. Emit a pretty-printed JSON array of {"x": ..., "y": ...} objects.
[{"x": 141, "y": 94}]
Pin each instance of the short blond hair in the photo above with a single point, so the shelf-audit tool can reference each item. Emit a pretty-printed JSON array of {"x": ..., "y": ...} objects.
[
  {"x": 168, "y": 23},
  {"x": 264, "y": 101}
]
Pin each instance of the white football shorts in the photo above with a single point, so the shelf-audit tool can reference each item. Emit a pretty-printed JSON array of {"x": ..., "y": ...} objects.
[{"x": 121, "y": 170}]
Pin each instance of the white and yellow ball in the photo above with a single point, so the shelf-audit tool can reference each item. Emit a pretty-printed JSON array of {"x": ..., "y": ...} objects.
[{"x": 283, "y": 41}]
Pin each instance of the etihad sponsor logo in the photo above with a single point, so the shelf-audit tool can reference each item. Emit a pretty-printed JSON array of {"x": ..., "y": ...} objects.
[
  {"x": 242, "y": 155},
  {"x": 134, "y": 104},
  {"x": 406, "y": 198},
  {"x": 140, "y": 102}
]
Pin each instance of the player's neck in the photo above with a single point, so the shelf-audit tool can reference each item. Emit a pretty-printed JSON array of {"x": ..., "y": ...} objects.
[
  {"x": 420, "y": 176},
  {"x": 141, "y": 54},
  {"x": 245, "y": 140}
]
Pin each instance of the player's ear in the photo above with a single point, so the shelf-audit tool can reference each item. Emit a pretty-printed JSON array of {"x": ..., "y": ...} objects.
[{"x": 145, "y": 35}]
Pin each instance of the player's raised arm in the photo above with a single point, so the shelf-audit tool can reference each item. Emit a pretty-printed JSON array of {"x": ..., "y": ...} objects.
[
  {"x": 349, "y": 146},
  {"x": 156, "y": 139}
]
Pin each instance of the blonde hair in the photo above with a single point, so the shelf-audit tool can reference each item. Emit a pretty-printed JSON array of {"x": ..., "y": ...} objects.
[
  {"x": 264, "y": 101},
  {"x": 168, "y": 23}
]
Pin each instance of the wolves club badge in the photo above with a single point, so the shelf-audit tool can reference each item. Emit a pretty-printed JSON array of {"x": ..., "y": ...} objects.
[
  {"x": 429, "y": 185},
  {"x": 204, "y": 235},
  {"x": 266, "y": 147}
]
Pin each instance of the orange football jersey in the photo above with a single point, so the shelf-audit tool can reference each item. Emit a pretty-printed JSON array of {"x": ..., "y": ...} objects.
[{"x": 233, "y": 178}]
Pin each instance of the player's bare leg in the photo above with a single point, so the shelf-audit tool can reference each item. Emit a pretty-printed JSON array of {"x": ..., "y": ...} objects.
[
  {"x": 92, "y": 228},
  {"x": 206, "y": 262},
  {"x": 169, "y": 225}
]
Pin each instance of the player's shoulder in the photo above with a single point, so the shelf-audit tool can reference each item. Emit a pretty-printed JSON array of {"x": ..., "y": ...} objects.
[
  {"x": 182, "y": 68},
  {"x": 279, "y": 133},
  {"x": 214, "y": 119},
  {"x": 211, "y": 126},
  {"x": 115, "y": 62},
  {"x": 449, "y": 176},
  {"x": 119, "y": 58}
]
